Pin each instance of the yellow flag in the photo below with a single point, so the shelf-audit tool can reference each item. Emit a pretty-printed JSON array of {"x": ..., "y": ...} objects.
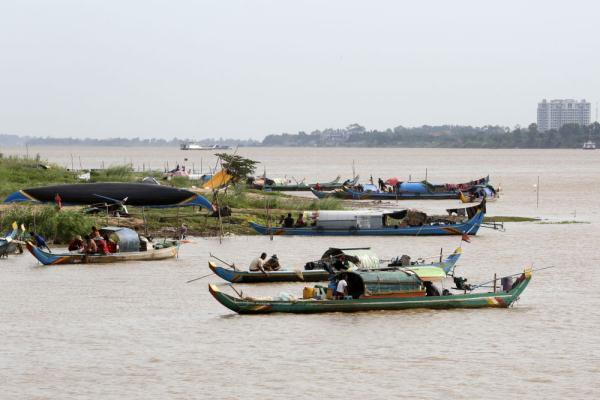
[{"x": 14, "y": 225}]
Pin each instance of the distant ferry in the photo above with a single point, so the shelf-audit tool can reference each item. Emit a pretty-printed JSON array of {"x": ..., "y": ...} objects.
[
  {"x": 196, "y": 146},
  {"x": 589, "y": 145}
]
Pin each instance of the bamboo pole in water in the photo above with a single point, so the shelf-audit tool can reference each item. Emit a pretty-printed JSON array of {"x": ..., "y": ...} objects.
[{"x": 537, "y": 203}]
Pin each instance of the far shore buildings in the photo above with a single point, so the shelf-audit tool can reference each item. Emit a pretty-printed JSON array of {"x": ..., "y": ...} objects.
[{"x": 554, "y": 114}]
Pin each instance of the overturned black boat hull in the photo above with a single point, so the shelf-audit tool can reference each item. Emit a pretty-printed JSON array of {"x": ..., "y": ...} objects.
[{"x": 136, "y": 194}]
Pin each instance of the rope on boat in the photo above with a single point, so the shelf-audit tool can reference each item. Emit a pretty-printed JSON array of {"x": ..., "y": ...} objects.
[
  {"x": 232, "y": 265},
  {"x": 506, "y": 276}
]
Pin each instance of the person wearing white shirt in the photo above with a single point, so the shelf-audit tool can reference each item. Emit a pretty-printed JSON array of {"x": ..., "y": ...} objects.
[
  {"x": 257, "y": 263},
  {"x": 342, "y": 288}
]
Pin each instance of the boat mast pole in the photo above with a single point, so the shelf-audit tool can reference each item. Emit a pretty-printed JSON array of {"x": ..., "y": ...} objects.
[{"x": 145, "y": 221}]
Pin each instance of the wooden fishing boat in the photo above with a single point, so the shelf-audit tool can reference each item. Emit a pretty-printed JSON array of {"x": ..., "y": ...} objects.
[
  {"x": 435, "y": 271},
  {"x": 423, "y": 190},
  {"x": 369, "y": 291},
  {"x": 381, "y": 223},
  {"x": 285, "y": 185},
  {"x": 131, "y": 248},
  {"x": 134, "y": 194},
  {"x": 9, "y": 244}
]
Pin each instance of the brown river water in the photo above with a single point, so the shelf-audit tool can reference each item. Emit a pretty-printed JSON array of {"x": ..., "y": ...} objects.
[{"x": 138, "y": 331}]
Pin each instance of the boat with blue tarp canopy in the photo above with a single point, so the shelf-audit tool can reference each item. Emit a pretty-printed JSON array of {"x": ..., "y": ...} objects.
[{"x": 131, "y": 247}]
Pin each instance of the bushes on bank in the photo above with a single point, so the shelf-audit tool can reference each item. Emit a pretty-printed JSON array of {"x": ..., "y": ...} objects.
[{"x": 55, "y": 226}]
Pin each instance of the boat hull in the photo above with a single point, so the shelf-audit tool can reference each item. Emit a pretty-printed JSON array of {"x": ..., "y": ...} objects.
[
  {"x": 349, "y": 194},
  {"x": 137, "y": 194},
  {"x": 271, "y": 276},
  {"x": 469, "y": 227},
  {"x": 47, "y": 258},
  {"x": 311, "y": 306}
]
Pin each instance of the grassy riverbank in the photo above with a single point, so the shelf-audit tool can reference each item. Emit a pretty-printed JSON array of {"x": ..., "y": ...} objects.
[{"x": 61, "y": 226}]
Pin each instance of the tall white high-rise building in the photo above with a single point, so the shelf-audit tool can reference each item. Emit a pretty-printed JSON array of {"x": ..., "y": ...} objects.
[{"x": 555, "y": 113}]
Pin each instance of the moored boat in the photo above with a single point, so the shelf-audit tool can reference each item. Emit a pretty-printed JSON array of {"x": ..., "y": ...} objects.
[
  {"x": 377, "y": 290},
  {"x": 9, "y": 244},
  {"x": 197, "y": 146},
  {"x": 286, "y": 185},
  {"x": 319, "y": 272},
  {"x": 397, "y": 190},
  {"x": 383, "y": 223},
  {"x": 131, "y": 246}
]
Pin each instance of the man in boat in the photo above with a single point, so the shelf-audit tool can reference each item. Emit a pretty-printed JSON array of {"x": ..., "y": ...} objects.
[
  {"x": 257, "y": 264},
  {"x": 381, "y": 185},
  {"x": 113, "y": 246},
  {"x": 272, "y": 264},
  {"x": 39, "y": 241},
  {"x": 76, "y": 244},
  {"x": 95, "y": 233},
  {"x": 300, "y": 221},
  {"x": 90, "y": 245},
  {"x": 101, "y": 245},
  {"x": 430, "y": 289},
  {"x": 341, "y": 290},
  {"x": 288, "y": 222}
]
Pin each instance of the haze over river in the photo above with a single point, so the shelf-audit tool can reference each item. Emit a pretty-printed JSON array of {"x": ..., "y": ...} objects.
[{"x": 137, "y": 330}]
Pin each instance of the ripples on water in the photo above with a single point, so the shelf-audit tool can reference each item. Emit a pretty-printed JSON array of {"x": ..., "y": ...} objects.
[{"x": 138, "y": 331}]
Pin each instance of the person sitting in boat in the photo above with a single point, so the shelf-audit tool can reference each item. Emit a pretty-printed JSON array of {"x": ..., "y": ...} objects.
[
  {"x": 95, "y": 233},
  {"x": 341, "y": 290},
  {"x": 90, "y": 245},
  {"x": 113, "y": 246},
  {"x": 257, "y": 263},
  {"x": 76, "y": 244},
  {"x": 101, "y": 245},
  {"x": 272, "y": 264},
  {"x": 300, "y": 221},
  {"x": 288, "y": 222},
  {"x": 430, "y": 289},
  {"x": 39, "y": 241}
]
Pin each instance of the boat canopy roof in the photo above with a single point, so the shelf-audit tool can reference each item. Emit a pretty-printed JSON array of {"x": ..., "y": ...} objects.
[
  {"x": 357, "y": 258},
  {"x": 382, "y": 282},
  {"x": 128, "y": 239}
]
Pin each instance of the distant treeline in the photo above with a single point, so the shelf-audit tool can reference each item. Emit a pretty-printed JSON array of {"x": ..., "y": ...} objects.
[
  {"x": 15, "y": 140},
  {"x": 445, "y": 136}
]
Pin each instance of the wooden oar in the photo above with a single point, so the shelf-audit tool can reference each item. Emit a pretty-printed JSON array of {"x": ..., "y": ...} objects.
[
  {"x": 202, "y": 277},
  {"x": 224, "y": 262}
]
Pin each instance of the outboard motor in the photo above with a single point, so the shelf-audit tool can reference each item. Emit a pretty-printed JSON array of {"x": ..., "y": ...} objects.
[{"x": 506, "y": 283}]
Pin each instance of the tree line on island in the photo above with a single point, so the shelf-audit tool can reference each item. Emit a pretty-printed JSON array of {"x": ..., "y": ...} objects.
[{"x": 355, "y": 135}]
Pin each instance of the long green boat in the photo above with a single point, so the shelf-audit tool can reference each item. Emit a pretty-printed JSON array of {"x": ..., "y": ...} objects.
[{"x": 369, "y": 291}]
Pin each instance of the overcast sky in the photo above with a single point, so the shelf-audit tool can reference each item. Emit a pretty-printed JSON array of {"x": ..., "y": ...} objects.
[{"x": 250, "y": 68}]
